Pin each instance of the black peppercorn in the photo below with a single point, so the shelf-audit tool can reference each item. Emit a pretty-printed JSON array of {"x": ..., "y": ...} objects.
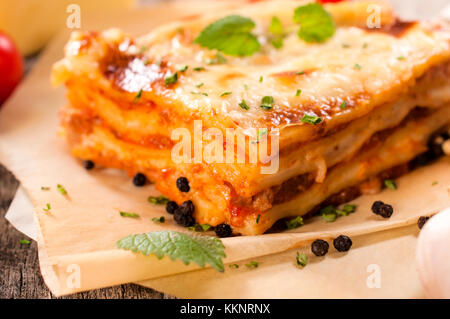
[
  {"x": 88, "y": 164},
  {"x": 342, "y": 243},
  {"x": 223, "y": 230},
  {"x": 171, "y": 206},
  {"x": 382, "y": 209},
  {"x": 183, "y": 184},
  {"x": 422, "y": 220},
  {"x": 183, "y": 214},
  {"x": 139, "y": 180},
  {"x": 319, "y": 247},
  {"x": 183, "y": 220}
]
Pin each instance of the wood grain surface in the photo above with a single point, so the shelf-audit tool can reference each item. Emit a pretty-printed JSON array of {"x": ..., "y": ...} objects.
[{"x": 20, "y": 276}]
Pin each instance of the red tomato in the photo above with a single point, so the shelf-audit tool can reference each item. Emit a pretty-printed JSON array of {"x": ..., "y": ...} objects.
[{"x": 11, "y": 67}]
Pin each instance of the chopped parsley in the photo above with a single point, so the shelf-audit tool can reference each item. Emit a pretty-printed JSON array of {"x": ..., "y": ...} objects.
[
  {"x": 330, "y": 213},
  {"x": 357, "y": 66},
  {"x": 252, "y": 264},
  {"x": 300, "y": 72},
  {"x": 24, "y": 242},
  {"x": 199, "y": 69},
  {"x": 233, "y": 266},
  {"x": 199, "y": 85},
  {"x": 61, "y": 189},
  {"x": 200, "y": 227},
  {"x": 258, "y": 218},
  {"x": 400, "y": 58},
  {"x": 225, "y": 94},
  {"x": 138, "y": 96},
  {"x": 311, "y": 119},
  {"x": 184, "y": 68},
  {"x": 230, "y": 35},
  {"x": 244, "y": 105},
  {"x": 261, "y": 132},
  {"x": 158, "y": 220},
  {"x": 316, "y": 24},
  {"x": 171, "y": 79},
  {"x": 389, "y": 183},
  {"x": 267, "y": 102},
  {"x": 294, "y": 222},
  {"x": 45, "y": 188},
  {"x": 200, "y": 93},
  {"x": 218, "y": 59},
  {"x": 127, "y": 214},
  {"x": 47, "y": 207},
  {"x": 188, "y": 248},
  {"x": 302, "y": 259},
  {"x": 261, "y": 79},
  {"x": 434, "y": 183},
  {"x": 158, "y": 200},
  {"x": 298, "y": 92},
  {"x": 343, "y": 105},
  {"x": 246, "y": 87},
  {"x": 276, "y": 29}
]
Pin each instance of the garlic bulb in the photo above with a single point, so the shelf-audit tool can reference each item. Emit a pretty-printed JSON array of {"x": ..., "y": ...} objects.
[{"x": 433, "y": 256}]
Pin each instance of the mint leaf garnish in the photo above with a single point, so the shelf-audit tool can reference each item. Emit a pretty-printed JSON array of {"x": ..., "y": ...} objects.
[
  {"x": 230, "y": 35},
  {"x": 187, "y": 248},
  {"x": 316, "y": 24}
]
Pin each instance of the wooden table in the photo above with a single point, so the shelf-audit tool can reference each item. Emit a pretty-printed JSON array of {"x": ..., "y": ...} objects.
[{"x": 20, "y": 276}]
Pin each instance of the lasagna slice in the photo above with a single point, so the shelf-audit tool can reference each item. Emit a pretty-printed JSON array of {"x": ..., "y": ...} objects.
[{"x": 335, "y": 116}]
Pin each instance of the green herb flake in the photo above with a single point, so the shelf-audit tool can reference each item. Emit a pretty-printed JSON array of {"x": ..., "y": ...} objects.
[
  {"x": 357, "y": 66},
  {"x": 200, "y": 227},
  {"x": 244, "y": 105},
  {"x": 188, "y": 248},
  {"x": 158, "y": 220},
  {"x": 45, "y": 188},
  {"x": 294, "y": 223},
  {"x": 302, "y": 259},
  {"x": 199, "y": 93},
  {"x": 61, "y": 189},
  {"x": 246, "y": 87},
  {"x": 183, "y": 68},
  {"x": 298, "y": 92},
  {"x": 343, "y": 105},
  {"x": 225, "y": 94},
  {"x": 401, "y": 58},
  {"x": 24, "y": 242},
  {"x": 389, "y": 183},
  {"x": 199, "y": 85},
  {"x": 300, "y": 72},
  {"x": 258, "y": 218},
  {"x": 267, "y": 102},
  {"x": 199, "y": 69},
  {"x": 171, "y": 79},
  {"x": 252, "y": 265},
  {"x": 138, "y": 96},
  {"x": 47, "y": 207},
  {"x": 233, "y": 266},
  {"x": 158, "y": 200},
  {"x": 261, "y": 79},
  {"x": 218, "y": 59},
  {"x": 311, "y": 119},
  {"x": 434, "y": 183},
  {"x": 365, "y": 45},
  {"x": 329, "y": 214},
  {"x": 349, "y": 208},
  {"x": 316, "y": 24},
  {"x": 230, "y": 35},
  {"x": 127, "y": 214}
]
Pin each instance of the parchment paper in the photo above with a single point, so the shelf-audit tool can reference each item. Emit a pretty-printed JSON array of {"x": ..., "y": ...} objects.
[{"x": 81, "y": 229}]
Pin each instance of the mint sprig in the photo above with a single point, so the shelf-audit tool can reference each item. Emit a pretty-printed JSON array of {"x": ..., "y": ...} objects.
[
  {"x": 201, "y": 250},
  {"x": 316, "y": 24},
  {"x": 230, "y": 35}
]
